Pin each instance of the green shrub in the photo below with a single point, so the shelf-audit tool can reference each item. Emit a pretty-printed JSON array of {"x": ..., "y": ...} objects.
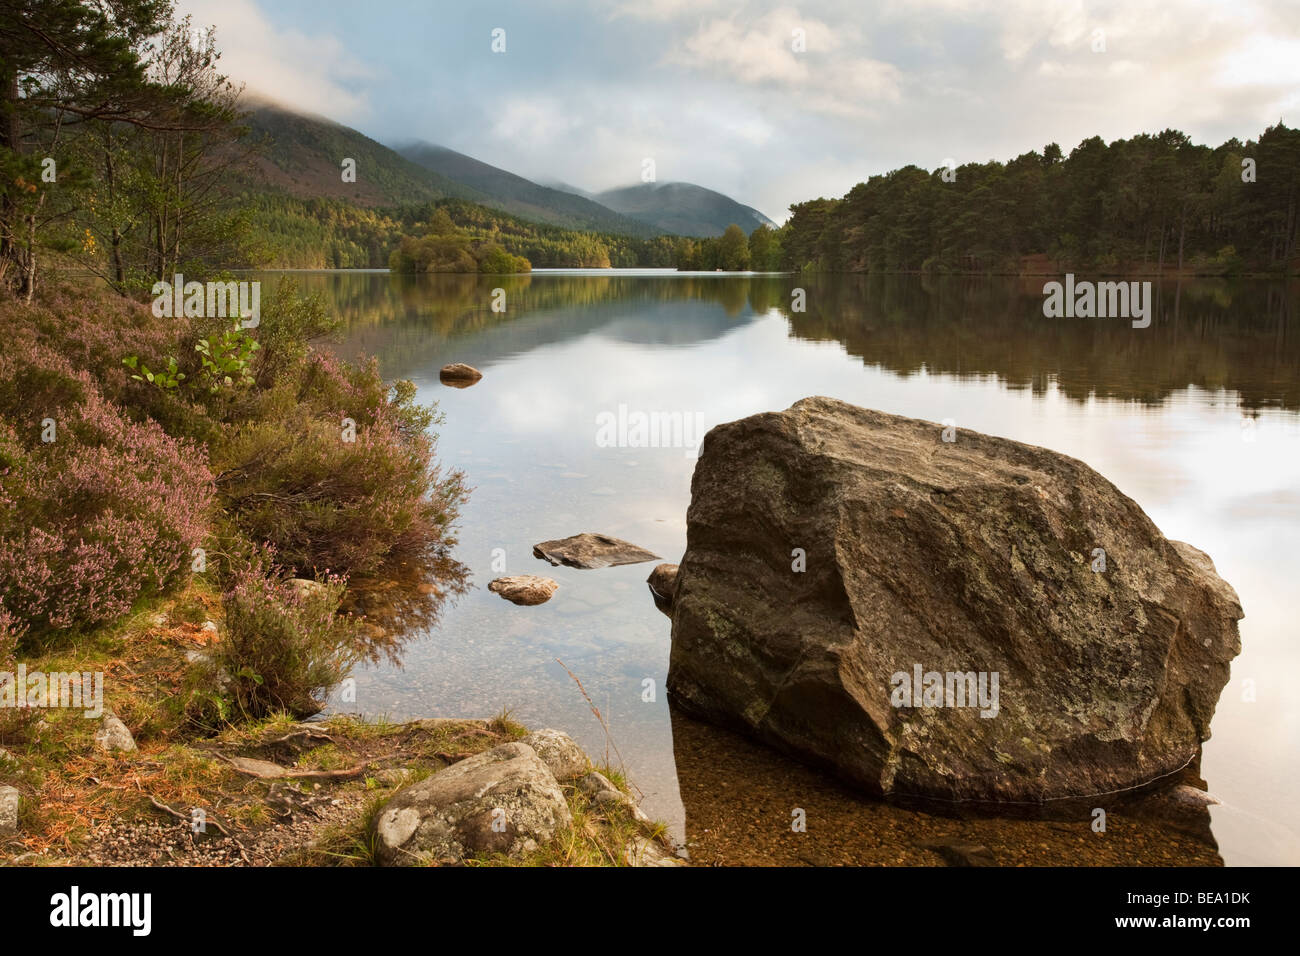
[
  {"x": 330, "y": 497},
  {"x": 284, "y": 648}
]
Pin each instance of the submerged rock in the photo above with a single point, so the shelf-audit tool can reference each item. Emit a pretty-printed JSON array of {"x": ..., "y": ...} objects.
[
  {"x": 852, "y": 581},
  {"x": 527, "y": 589},
  {"x": 589, "y": 550},
  {"x": 459, "y": 375},
  {"x": 504, "y": 800}
]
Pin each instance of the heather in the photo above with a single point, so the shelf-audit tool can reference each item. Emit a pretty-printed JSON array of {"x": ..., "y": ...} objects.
[
  {"x": 98, "y": 510},
  {"x": 171, "y": 435},
  {"x": 283, "y": 648},
  {"x": 344, "y": 480}
]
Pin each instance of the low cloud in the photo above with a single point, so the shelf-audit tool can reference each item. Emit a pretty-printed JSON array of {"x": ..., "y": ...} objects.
[{"x": 312, "y": 71}]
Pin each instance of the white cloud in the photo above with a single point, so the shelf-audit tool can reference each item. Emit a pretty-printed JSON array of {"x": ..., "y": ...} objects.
[
  {"x": 309, "y": 71},
  {"x": 783, "y": 50},
  {"x": 660, "y": 10}
]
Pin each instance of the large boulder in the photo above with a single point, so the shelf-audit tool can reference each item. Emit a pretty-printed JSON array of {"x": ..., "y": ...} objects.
[
  {"x": 504, "y": 800},
  {"x": 841, "y": 563}
]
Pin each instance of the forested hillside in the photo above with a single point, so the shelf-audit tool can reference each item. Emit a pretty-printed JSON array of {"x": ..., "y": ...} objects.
[
  {"x": 513, "y": 194},
  {"x": 333, "y": 234},
  {"x": 1152, "y": 203},
  {"x": 683, "y": 209},
  {"x": 303, "y": 214}
]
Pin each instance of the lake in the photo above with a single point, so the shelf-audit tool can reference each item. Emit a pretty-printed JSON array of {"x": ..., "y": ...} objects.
[{"x": 1197, "y": 418}]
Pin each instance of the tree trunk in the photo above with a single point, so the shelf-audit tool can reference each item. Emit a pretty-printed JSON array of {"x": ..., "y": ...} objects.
[
  {"x": 11, "y": 139},
  {"x": 1182, "y": 232},
  {"x": 1160, "y": 265},
  {"x": 29, "y": 260}
]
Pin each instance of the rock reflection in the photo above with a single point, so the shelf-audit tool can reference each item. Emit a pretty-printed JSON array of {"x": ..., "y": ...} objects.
[{"x": 740, "y": 799}]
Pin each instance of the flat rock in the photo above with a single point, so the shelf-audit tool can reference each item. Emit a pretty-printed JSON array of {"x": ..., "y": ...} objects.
[
  {"x": 526, "y": 589},
  {"x": 8, "y": 811},
  {"x": 834, "y": 553},
  {"x": 589, "y": 551},
  {"x": 560, "y": 752},
  {"x": 113, "y": 734},
  {"x": 459, "y": 375},
  {"x": 263, "y": 769},
  {"x": 505, "y": 800}
]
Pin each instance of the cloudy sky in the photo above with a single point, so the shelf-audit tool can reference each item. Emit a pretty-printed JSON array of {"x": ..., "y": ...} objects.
[{"x": 717, "y": 93}]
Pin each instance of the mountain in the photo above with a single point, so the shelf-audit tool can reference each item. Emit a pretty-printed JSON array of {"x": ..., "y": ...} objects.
[
  {"x": 523, "y": 197},
  {"x": 302, "y": 155},
  {"x": 682, "y": 209}
]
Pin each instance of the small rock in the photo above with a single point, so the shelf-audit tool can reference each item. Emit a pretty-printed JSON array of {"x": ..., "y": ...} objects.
[
  {"x": 504, "y": 800},
  {"x": 589, "y": 551},
  {"x": 559, "y": 752},
  {"x": 527, "y": 589},
  {"x": 8, "y": 811},
  {"x": 288, "y": 747},
  {"x": 663, "y": 585},
  {"x": 113, "y": 734},
  {"x": 459, "y": 375},
  {"x": 602, "y": 792},
  {"x": 207, "y": 661},
  {"x": 394, "y": 776},
  {"x": 596, "y": 783},
  {"x": 209, "y": 627},
  {"x": 305, "y": 587},
  {"x": 1191, "y": 796},
  {"x": 649, "y": 853}
]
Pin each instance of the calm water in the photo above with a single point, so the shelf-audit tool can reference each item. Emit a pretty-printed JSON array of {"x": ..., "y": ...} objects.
[{"x": 1197, "y": 418}]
